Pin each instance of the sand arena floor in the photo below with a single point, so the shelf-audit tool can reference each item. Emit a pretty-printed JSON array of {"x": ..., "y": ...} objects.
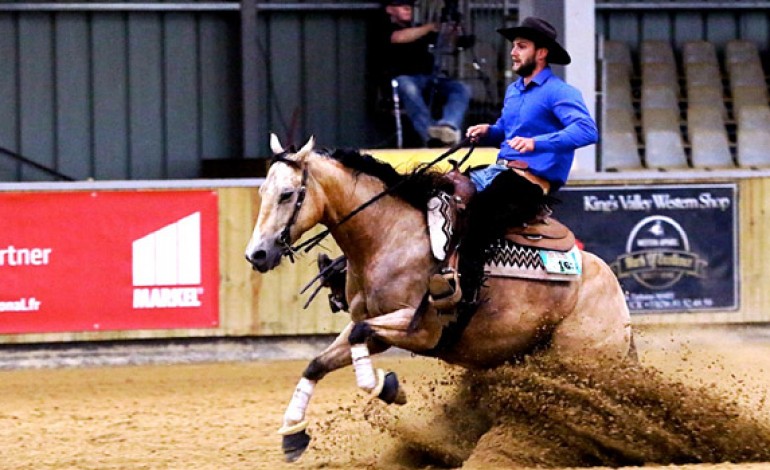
[{"x": 225, "y": 415}]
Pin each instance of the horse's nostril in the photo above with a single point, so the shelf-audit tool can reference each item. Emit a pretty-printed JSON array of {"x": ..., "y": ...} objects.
[{"x": 256, "y": 256}]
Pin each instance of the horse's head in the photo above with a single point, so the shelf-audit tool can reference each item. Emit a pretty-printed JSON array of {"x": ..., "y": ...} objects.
[{"x": 287, "y": 209}]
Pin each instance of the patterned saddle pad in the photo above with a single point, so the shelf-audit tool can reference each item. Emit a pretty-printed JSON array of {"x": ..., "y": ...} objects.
[{"x": 508, "y": 259}]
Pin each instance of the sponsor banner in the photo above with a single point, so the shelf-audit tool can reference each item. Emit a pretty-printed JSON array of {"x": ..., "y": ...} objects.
[
  {"x": 113, "y": 260},
  {"x": 673, "y": 248}
]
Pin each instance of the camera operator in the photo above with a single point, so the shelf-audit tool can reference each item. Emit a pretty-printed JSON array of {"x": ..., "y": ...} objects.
[{"x": 408, "y": 60}]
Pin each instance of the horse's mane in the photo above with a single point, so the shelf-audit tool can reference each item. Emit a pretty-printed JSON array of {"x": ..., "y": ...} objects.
[{"x": 415, "y": 187}]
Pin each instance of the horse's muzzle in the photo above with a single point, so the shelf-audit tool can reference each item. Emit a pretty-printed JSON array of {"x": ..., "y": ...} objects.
[
  {"x": 264, "y": 257},
  {"x": 257, "y": 261}
]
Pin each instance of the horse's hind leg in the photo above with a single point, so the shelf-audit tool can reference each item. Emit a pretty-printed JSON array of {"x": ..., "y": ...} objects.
[{"x": 599, "y": 326}]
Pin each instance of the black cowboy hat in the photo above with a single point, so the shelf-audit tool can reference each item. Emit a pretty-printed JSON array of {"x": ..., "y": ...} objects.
[{"x": 544, "y": 35}]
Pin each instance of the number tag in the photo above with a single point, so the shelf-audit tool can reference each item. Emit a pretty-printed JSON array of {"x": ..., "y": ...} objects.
[{"x": 560, "y": 263}]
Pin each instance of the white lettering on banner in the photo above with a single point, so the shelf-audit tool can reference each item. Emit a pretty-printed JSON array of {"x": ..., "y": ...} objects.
[
  {"x": 594, "y": 204},
  {"x": 659, "y": 201},
  {"x": 167, "y": 297},
  {"x": 665, "y": 201},
  {"x": 635, "y": 202},
  {"x": 24, "y": 304},
  {"x": 167, "y": 264},
  {"x": 12, "y": 256}
]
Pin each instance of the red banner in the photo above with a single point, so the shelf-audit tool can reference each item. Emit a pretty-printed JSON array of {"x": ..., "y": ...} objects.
[{"x": 89, "y": 261}]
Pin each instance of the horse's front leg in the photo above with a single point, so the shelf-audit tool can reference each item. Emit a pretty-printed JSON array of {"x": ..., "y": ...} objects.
[
  {"x": 392, "y": 329},
  {"x": 336, "y": 356}
]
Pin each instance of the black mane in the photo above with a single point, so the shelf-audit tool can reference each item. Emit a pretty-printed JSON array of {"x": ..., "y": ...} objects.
[{"x": 415, "y": 187}]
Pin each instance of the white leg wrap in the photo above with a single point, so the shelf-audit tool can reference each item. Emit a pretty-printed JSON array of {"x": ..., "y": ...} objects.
[
  {"x": 440, "y": 225},
  {"x": 362, "y": 364},
  {"x": 295, "y": 413}
]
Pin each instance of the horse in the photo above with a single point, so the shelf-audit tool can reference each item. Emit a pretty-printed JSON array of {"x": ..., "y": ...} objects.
[{"x": 389, "y": 262}]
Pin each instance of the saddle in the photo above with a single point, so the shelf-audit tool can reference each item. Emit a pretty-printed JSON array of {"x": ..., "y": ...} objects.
[{"x": 544, "y": 233}]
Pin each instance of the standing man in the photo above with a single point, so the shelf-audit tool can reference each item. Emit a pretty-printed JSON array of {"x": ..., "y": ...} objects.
[
  {"x": 408, "y": 60},
  {"x": 543, "y": 121}
]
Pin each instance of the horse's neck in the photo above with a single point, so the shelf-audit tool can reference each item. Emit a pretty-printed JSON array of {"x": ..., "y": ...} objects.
[{"x": 389, "y": 227}]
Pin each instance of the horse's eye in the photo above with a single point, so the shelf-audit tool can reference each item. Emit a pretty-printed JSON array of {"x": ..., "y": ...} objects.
[{"x": 285, "y": 196}]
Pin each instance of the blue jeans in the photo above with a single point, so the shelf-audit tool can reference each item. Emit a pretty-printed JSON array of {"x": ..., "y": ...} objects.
[
  {"x": 483, "y": 177},
  {"x": 412, "y": 90}
]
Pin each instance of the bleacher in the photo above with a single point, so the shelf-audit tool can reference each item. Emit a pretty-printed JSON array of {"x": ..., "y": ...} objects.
[{"x": 702, "y": 106}]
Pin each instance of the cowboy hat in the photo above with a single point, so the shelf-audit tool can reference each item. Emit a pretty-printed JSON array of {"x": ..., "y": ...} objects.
[{"x": 544, "y": 35}]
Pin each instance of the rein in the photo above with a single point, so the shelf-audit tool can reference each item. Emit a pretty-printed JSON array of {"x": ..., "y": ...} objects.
[{"x": 314, "y": 241}]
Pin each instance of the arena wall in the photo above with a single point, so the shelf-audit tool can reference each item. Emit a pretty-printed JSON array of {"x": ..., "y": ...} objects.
[{"x": 253, "y": 304}]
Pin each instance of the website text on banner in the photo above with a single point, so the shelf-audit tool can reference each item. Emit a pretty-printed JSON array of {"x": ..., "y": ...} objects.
[{"x": 90, "y": 261}]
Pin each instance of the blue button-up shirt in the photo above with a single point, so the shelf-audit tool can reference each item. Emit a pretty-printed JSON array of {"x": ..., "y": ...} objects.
[{"x": 555, "y": 115}]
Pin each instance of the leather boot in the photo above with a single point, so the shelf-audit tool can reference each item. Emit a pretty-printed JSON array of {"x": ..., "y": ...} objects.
[{"x": 444, "y": 289}]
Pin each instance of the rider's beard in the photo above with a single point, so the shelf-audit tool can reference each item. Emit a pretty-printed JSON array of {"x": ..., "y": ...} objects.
[{"x": 525, "y": 68}]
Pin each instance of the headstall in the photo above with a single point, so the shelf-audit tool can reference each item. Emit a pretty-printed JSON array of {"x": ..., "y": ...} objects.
[{"x": 284, "y": 240}]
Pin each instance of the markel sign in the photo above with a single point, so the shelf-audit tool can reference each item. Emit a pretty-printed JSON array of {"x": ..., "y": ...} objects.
[{"x": 85, "y": 261}]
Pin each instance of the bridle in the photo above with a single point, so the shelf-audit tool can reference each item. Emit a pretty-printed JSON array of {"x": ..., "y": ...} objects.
[{"x": 284, "y": 240}]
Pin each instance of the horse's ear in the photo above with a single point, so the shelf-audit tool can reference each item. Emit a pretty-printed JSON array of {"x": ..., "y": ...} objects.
[
  {"x": 307, "y": 148},
  {"x": 275, "y": 144}
]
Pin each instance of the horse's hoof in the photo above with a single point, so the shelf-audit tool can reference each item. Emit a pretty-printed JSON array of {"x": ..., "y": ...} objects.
[
  {"x": 294, "y": 445},
  {"x": 392, "y": 391}
]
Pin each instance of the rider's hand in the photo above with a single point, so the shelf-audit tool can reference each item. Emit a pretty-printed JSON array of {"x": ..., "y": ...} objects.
[
  {"x": 477, "y": 132},
  {"x": 522, "y": 144}
]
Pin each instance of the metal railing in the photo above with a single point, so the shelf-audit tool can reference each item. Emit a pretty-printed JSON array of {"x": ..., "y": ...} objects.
[{"x": 184, "y": 6}]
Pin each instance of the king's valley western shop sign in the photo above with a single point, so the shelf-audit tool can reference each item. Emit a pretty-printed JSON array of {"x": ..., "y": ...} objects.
[{"x": 673, "y": 248}]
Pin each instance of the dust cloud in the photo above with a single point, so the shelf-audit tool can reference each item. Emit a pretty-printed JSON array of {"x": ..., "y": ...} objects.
[{"x": 555, "y": 413}]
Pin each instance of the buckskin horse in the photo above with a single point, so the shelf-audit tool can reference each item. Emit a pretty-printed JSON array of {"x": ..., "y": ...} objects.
[{"x": 388, "y": 266}]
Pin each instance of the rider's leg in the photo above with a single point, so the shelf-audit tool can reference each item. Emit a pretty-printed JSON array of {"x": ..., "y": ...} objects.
[
  {"x": 446, "y": 227},
  {"x": 444, "y": 286}
]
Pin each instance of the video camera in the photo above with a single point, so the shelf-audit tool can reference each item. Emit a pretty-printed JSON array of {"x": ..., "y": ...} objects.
[{"x": 451, "y": 37}]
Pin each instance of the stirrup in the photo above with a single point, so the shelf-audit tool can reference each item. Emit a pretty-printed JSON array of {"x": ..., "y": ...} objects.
[{"x": 444, "y": 290}]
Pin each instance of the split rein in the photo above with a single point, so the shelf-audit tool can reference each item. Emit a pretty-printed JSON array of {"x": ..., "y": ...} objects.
[{"x": 314, "y": 241}]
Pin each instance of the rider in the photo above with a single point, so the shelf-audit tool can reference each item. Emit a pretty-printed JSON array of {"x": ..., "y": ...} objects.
[{"x": 543, "y": 121}]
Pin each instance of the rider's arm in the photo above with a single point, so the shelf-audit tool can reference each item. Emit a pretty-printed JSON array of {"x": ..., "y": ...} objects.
[
  {"x": 495, "y": 133},
  {"x": 579, "y": 127}
]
